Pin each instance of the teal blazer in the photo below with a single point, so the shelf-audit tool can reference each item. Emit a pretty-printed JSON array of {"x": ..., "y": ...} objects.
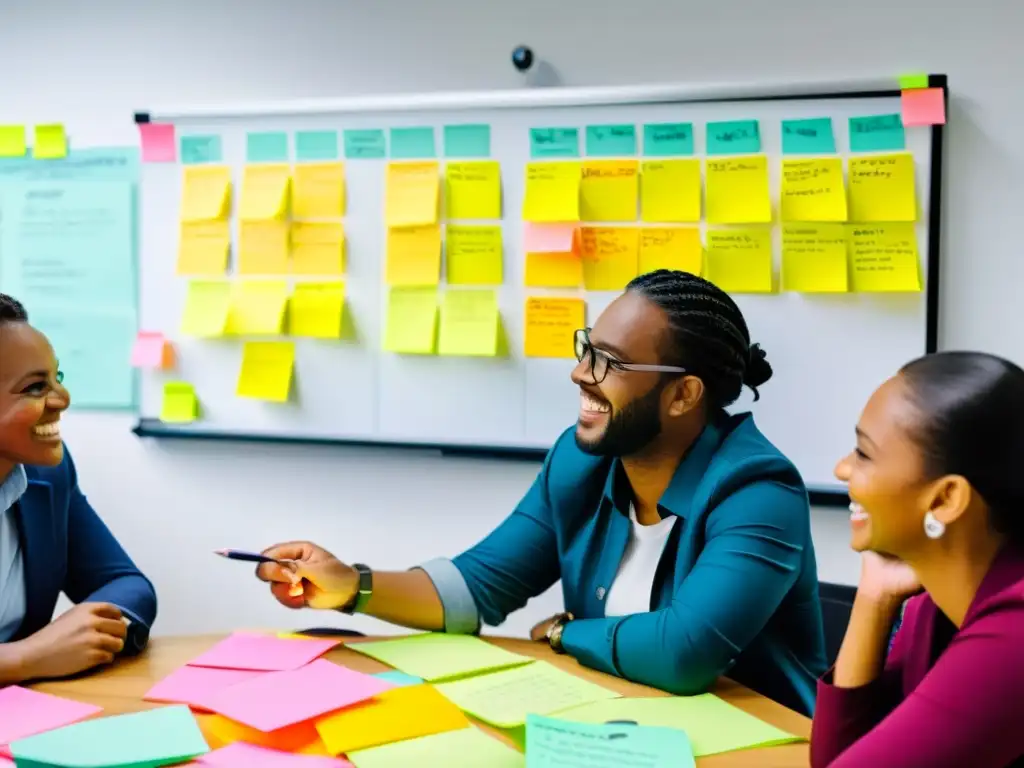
[{"x": 736, "y": 590}]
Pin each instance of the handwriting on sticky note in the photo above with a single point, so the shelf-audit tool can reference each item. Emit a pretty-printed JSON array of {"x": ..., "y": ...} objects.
[
  {"x": 811, "y": 136},
  {"x": 884, "y": 258},
  {"x": 24, "y": 712},
  {"x": 318, "y": 191},
  {"x": 411, "y": 194},
  {"x": 152, "y": 350},
  {"x": 438, "y": 656},
  {"x": 924, "y": 106},
  {"x": 882, "y": 188},
  {"x": 611, "y": 140},
  {"x": 668, "y": 139},
  {"x": 263, "y": 247},
  {"x": 12, "y": 141},
  {"x": 670, "y": 248},
  {"x": 411, "y": 323},
  {"x": 473, "y": 190},
  {"x": 257, "y": 308},
  {"x": 737, "y": 191},
  {"x": 740, "y": 260},
  {"x": 266, "y": 371},
  {"x": 317, "y": 248},
  {"x": 195, "y": 686},
  {"x": 670, "y": 190},
  {"x": 206, "y": 193},
  {"x": 609, "y": 190},
  {"x": 877, "y": 133},
  {"x": 206, "y": 308},
  {"x": 414, "y": 255},
  {"x": 550, "y": 325},
  {"x": 51, "y": 143},
  {"x": 813, "y": 190},
  {"x": 609, "y": 256},
  {"x": 552, "y": 192},
  {"x": 554, "y": 142},
  {"x": 203, "y": 247},
  {"x": 555, "y": 743},
  {"x": 317, "y": 311},
  {"x": 365, "y": 144},
  {"x": 733, "y": 137},
  {"x": 473, "y": 255},
  {"x": 159, "y": 143},
  {"x": 814, "y": 258},
  {"x": 265, "y": 192}
]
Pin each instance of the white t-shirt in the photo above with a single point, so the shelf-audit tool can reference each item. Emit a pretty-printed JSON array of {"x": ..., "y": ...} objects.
[{"x": 631, "y": 590}]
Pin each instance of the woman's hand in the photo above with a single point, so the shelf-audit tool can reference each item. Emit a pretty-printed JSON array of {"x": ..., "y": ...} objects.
[
  {"x": 311, "y": 577},
  {"x": 540, "y": 631},
  {"x": 886, "y": 579}
]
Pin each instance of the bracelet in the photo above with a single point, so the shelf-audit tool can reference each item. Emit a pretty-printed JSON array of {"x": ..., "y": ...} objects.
[{"x": 554, "y": 633}]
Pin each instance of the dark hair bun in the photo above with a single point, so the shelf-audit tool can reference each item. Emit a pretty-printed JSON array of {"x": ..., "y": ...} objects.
[{"x": 758, "y": 368}]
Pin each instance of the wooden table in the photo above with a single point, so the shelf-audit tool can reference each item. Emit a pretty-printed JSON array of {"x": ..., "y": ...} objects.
[{"x": 119, "y": 689}]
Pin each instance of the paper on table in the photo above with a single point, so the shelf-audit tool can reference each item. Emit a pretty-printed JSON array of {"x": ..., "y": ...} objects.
[
  {"x": 411, "y": 326},
  {"x": 737, "y": 191},
  {"x": 195, "y": 686},
  {"x": 740, "y": 260},
  {"x": 242, "y": 755},
  {"x": 263, "y": 653},
  {"x": 264, "y": 247},
  {"x": 670, "y": 190},
  {"x": 206, "y": 193},
  {"x": 203, "y": 247},
  {"x": 814, "y": 258},
  {"x": 152, "y": 350},
  {"x": 556, "y": 743},
  {"x": 473, "y": 190},
  {"x": 318, "y": 191},
  {"x": 414, "y": 255},
  {"x": 884, "y": 258},
  {"x": 882, "y": 188},
  {"x": 505, "y": 698},
  {"x": 924, "y": 106},
  {"x": 412, "y": 192},
  {"x": 180, "y": 405},
  {"x": 470, "y": 324},
  {"x": 24, "y": 712},
  {"x": 438, "y": 656},
  {"x": 609, "y": 190},
  {"x": 733, "y": 137},
  {"x": 266, "y": 372},
  {"x": 206, "y": 308},
  {"x": 550, "y": 325},
  {"x": 877, "y": 133},
  {"x": 811, "y": 136},
  {"x": 609, "y": 256},
  {"x": 399, "y": 678},
  {"x": 51, "y": 143},
  {"x": 257, "y": 308},
  {"x": 473, "y": 255},
  {"x": 317, "y": 248},
  {"x": 159, "y": 143},
  {"x": 300, "y": 738},
  {"x": 317, "y": 310},
  {"x": 670, "y": 248},
  {"x": 812, "y": 190},
  {"x": 552, "y": 192},
  {"x": 265, "y": 192},
  {"x": 12, "y": 141},
  {"x": 465, "y": 748}
]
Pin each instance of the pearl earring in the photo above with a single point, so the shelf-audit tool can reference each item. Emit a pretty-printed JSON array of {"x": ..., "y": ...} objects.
[{"x": 933, "y": 527}]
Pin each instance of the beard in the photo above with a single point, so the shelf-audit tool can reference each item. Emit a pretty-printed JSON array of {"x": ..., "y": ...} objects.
[{"x": 630, "y": 430}]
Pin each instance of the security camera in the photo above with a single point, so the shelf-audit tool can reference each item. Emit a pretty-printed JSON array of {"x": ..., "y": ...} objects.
[{"x": 522, "y": 58}]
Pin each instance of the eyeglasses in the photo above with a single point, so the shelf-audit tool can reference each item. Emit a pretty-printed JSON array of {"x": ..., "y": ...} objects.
[{"x": 600, "y": 362}]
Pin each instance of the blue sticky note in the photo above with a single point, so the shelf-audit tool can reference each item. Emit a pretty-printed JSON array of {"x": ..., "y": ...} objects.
[
  {"x": 554, "y": 142},
  {"x": 400, "y": 679},
  {"x": 196, "y": 150},
  {"x": 734, "y": 137},
  {"x": 877, "y": 133},
  {"x": 611, "y": 140},
  {"x": 668, "y": 139},
  {"x": 808, "y": 137},
  {"x": 551, "y": 742},
  {"x": 266, "y": 147},
  {"x": 316, "y": 145},
  {"x": 365, "y": 144},
  {"x": 467, "y": 141},
  {"x": 411, "y": 143}
]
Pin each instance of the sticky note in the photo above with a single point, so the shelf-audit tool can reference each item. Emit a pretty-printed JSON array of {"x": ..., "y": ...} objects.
[
  {"x": 311, "y": 146},
  {"x": 473, "y": 255},
  {"x": 412, "y": 143},
  {"x": 257, "y": 308},
  {"x": 159, "y": 143},
  {"x": 413, "y": 255},
  {"x": 551, "y": 324},
  {"x": 206, "y": 308},
  {"x": 812, "y": 136},
  {"x": 609, "y": 190},
  {"x": 877, "y": 133},
  {"x": 813, "y": 190},
  {"x": 473, "y": 190},
  {"x": 882, "y": 188},
  {"x": 552, "y": 743},
  {"x": 553, "y": 270},
  {"x": 50, "y": 143},
  {"x": 365, "y": 144},
  {"x": 611, "y": 140},
  {"x": 301, "y": 738},
  {"x": 266, "y": 372},
  {"x": 737, "y": 191},
  {"x": 464, "y": 748},
  {"x": 670, "y": 190},
  {"x": 814, "y": 258},
  {"x": 24, "y": 712},
  {"x": 200, "y": 150},
  {"x": 467, "y": 140},
  {"x": 552, "y": 192},
  {"x": 12, "y": 141},
  {"x": 266, "y": 147},
  {"x": 195, "y": 686},
  {"x": 203, "y": 248},
  {"x": 411, "y": 323},
  {"x": 740, "y": 260},
  {"x": 438, "y": 656},
  {"x": 399, "y": 678},
  {"x": 317, "y": 248},
  {"x": 152, "y": 350},
  {"x": 733, "y": 137},
  {"x": 677, "y": 248},
  {"x": 242, "y": 755},
  {"x": 316, "y": 312},
  {"x": 549, "y": 238},
  {"x": 884, "y": 258},
  {"x": 412, "y": 194},
  {"x": 926, "y": 106},
  {"x": 554, "y": 142},
  {"x": 265, "y": 192},
  {"x": 609, "y": 256},
  {"x": 914, "y": 80},
  {"x": 206, "y": 193},
  {"x": 180, "y": 404},
  {"x": 318, "y": 191},
  {"x": 263, "y": 247},
  {"x": 668, "y": 139},
  {"x": 394, "y": 715}
]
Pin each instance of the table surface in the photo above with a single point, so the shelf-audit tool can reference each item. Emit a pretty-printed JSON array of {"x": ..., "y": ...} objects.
[{"x": 119, "y": 689}]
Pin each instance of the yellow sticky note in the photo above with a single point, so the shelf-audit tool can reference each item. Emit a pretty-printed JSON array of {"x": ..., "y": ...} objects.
[
  {"x": 470, "y": 323},
  {"x": 412, "y": 194},
  {"x": 266, "y": 192},
  {"x": 737, "y": 191},
  {"x": 670, "y": 248},
  {"x": 206, "y": 308},
  {"x": 554, "y": 270},
  {"x": 609, "y": 256},
  {"x": 180, "y": 405},
  {"x": 884, "y": 258},
  {"x": 552, "y": 191},
  {"x": 317, "y": 248},
  {"x": 473, "y": 255},
  {"x": 411, "y": 325},
  {"x": 473, "y": 190},
  {"x": 266, "y": 372},
  {"x": 414, "y": 255},
  {"x": 814, "y": 258},
  {"x": 206, "y": 193},
  {"x": 257, "y": 308},
  {"x": 609, "y": 190},
  {"x": 551, "y": 324},
  {"x": 813, "y": 190},
  {"x": 263, "y": 247},
  {"x": 670, "y": 190},
  {"x": 12, "y": 141},
  {"x": 317, "y": 310},
  {"x": 318, "y": 191},
  {"x": 203, "y": 247},
  {"x": 882, "y": 188},
  {"x": 740, "y": 260},
  {"x": 51, "y": 142}
]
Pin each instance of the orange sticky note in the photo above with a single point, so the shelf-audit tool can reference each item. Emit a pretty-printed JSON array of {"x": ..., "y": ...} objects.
[
  {"x": 414, "y": 255},
  {"x": 923, "y": 106},
  {"x": 550, "y": 326},
  {"x": 264, "y": 247},
  {"x": 609, "y": 256},
  {"x": 318, "y": 248},
  {"x": 301, "y": 738},
  {"x": 152, "y": 350},
  {"x": 203, "y": 247},
  {"x": 670, "y": 248},
  {"x": 318, "y": 191}
]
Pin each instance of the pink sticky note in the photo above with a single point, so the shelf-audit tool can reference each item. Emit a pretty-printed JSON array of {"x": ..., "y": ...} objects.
[
  {"x": 6, "y": 761},
  {"x": 152, "y": 350},
  {"x": 280, "y": 699},
  {"x": 262, "y": 653},
  {"x": 242, "y": 755},
  {"x": 159, "y": 144},
  {"x": 195, "y": 686},
  {"x": 25, "y": 713},
  {"x": 924, "y": 106},
  {"x": 549, "y": 238}
]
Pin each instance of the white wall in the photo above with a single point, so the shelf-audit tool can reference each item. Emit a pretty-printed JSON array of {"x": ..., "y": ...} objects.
[{"x": 90, "y": 64}]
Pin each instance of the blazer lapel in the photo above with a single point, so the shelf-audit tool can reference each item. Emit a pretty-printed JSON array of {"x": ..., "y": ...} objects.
[{"x": 42, "y": 577}]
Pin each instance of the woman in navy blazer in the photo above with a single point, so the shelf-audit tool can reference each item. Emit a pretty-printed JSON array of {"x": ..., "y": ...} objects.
[{"x": 51, "y": 539}]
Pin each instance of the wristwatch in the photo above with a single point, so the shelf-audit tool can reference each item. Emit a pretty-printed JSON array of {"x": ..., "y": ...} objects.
[
  {"x": 554, "y": 633},
  {"x": 365, "y": 590}
]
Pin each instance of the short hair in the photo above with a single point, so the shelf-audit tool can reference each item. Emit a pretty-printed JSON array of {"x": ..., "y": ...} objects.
[
  {"x": 12, "y": 310},
  {"x": 707, "y": 334}
]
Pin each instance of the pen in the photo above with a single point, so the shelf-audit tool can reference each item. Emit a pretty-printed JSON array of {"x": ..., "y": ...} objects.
[{"x": 248, "y": 557}]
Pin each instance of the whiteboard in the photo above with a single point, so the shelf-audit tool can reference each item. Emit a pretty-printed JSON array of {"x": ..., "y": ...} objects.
[{"x": 828, "y": 351}]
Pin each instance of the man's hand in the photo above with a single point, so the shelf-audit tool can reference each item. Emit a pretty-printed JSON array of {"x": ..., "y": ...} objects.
[
  {"x": 311, "y": 576},
  {"x": 540, "y": 631},
  {"x": 88, "y": 635}
]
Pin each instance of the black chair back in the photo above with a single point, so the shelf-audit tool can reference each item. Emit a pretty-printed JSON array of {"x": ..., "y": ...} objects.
[{"x": 836, "y": 604}]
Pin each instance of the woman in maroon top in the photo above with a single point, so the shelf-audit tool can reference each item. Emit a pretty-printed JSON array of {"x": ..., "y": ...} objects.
[{"x": 937, "y": 484}]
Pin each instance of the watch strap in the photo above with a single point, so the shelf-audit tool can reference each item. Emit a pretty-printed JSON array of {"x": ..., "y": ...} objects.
[{"x": 363, "y": 592}]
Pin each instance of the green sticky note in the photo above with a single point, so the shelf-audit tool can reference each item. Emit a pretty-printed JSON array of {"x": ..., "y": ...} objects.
[
  {"x": 411, "y": 326},
  {"x": 366, "y": 144},
  {"x": 156, "y": 737},
  {"x": 198, "y": 150},
  {"x": 733, "y": 137},
  {"x": 552, "y": 743},
  {"x": 410, "y": 143},
  {"x": 12, "y": 141},
  {"x": 915, "y": 80},
  {"x": 611, "y": 140},
  {"x": 467, "y": 141},
  {"x": 470, "y": 324},
  {"x": 808, "y": 137},
  {"x": 266, "y": 147},
  {"x": 438, "y": 656},
  {"x": 51, "y": 142},
  {"x": 464, "y": 748},
  {"x": 180, "y": 405},
  {"x": 400, "y": 679},
  {"x": 316, "y": 145},
  {"x": 877, "y": 133},
  {"x": 668, "y": 139},
  {"x": 554, "y": 142}
]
